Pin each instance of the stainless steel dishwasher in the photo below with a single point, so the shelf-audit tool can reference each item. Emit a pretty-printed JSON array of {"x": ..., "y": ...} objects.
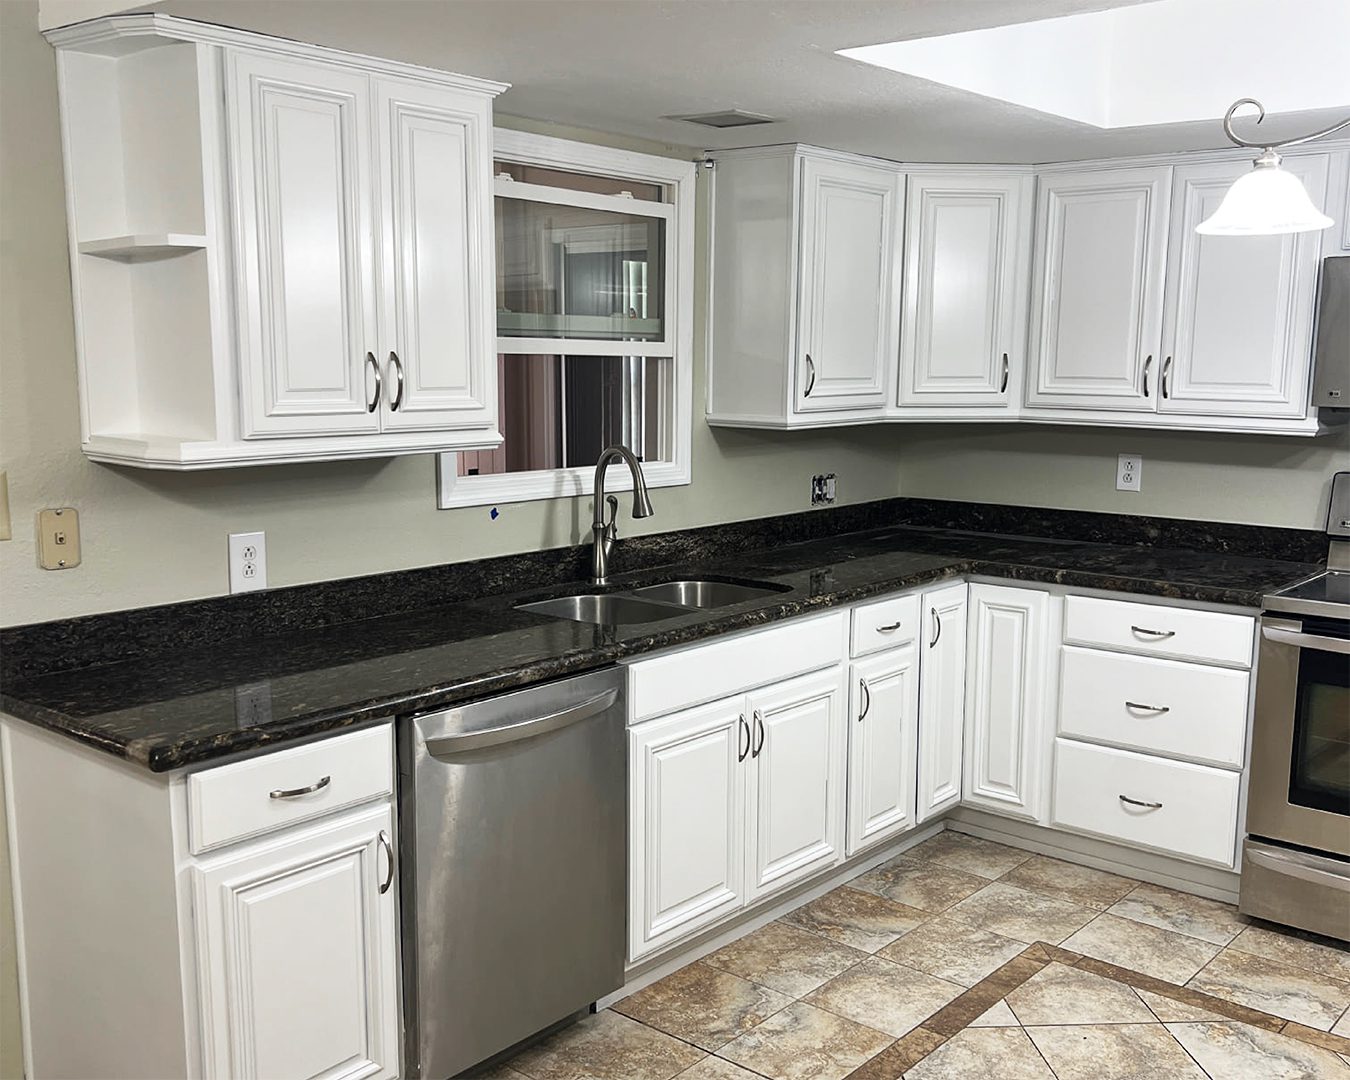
[{"x": 513, "y": 822}]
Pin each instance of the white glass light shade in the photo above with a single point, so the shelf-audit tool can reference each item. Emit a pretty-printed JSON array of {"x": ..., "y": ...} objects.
[{"x": 1265, "y": 202}]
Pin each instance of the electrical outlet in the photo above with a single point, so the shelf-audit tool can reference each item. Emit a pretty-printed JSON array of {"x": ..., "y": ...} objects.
[
  {"x": 248, "y": 562},
  {"x": 1128, "y": 469},
  {"x": 822, "y": 488}
]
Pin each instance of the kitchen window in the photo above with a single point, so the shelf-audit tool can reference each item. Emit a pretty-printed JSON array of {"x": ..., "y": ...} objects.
[{"x": 594, "y": 285}]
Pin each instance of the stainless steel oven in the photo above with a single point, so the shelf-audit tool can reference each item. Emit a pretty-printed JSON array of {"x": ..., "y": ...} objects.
[{"x": 1296, "y": 859}]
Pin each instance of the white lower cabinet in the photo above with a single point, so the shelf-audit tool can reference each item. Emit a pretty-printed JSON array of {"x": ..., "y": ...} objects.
[
  {"x": 883, "y": 733},
  {"x": 942, "y": 696},
  {"x": 298, "y": 949},
  {"x": 1006, "y": 726},
  {"x": 687, "y": 831}
]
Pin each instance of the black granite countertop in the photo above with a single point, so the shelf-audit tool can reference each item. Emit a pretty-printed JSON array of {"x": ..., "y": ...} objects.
[{"x": 211, "y": 699}]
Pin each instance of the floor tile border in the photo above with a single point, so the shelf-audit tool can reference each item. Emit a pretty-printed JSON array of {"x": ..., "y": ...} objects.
[{"x": 958, "y": 1014}]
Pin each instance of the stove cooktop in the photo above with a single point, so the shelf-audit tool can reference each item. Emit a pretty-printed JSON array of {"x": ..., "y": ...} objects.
[{"x": 1327, "y": 595}]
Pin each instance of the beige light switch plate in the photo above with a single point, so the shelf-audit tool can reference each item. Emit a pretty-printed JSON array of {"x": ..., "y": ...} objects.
[
  {"x": 59, "y": 538},
  {"x": 4, "y": 505}
]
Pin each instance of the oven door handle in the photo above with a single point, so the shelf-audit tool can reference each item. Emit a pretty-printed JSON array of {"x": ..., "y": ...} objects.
[{"x": 1306, "y": 641}]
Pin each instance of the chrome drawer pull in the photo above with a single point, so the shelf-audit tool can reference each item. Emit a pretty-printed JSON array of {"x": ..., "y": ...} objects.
[
  {"x": 291, "y": 793},
  {"x": 1138, "y": 707},
  {"x": 389, "y": 854},
  {"x": 889, "y": 628},
  {"x": 1162, "y": 635},
  {"x": 1136, "y": 802}
]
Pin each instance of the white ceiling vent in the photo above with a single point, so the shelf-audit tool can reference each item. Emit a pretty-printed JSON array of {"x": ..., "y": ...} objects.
[{"x": 727, "y": 118}]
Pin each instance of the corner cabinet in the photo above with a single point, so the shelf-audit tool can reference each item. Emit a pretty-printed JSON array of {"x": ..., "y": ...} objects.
[
  {"x": 805, "y": 287},
  {"x": 295, "y": 262},
  {"x": 942, "y": 695}
]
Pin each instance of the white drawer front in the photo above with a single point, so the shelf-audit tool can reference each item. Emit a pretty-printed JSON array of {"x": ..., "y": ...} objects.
[
  {"x": 1197, "y": 818},
  {"x": 1157, "y": 630},
  {"x": 234, "y": 802},
  {"x": 1160, "y": 706},
  {"x": 734, "y": 665},
  {"x": 884, "y": 624}
]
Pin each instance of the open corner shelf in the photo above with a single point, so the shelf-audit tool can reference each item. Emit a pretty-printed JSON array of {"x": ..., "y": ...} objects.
[{"x": 140, "y": 246}]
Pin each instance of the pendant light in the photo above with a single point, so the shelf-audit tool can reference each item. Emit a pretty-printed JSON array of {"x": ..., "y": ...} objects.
[{"x": 1268, "y": 201}]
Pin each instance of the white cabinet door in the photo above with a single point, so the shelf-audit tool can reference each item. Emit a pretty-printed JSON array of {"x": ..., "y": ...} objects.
[
  {"x": 966, "y": 253},
  {"x": 1006, "y": 729},
  {"x": 1240, "y": 309},
  {"x": 1097, "y": 288},
  {"x": 942, "y": 692},
  {"x": 686, "y": 777},
  {"x": 298, "y": 954},
  {"x": 434, "y": 155},
  {"x": 849, "y": 305},
  {"x": 795, "y": 797},
  {"x": 882, "y": 739},
  {"x": 299, "y": 154}
]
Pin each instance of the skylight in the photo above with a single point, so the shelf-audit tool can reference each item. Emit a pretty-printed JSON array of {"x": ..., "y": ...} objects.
[{"x": 1166, "y": 62}]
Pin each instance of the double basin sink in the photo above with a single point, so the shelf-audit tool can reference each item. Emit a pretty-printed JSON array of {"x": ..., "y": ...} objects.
[{"x": 652, "y": 603}]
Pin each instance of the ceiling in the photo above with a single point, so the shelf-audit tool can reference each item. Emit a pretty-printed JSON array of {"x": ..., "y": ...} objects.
[{"x": 619, "y": 66}]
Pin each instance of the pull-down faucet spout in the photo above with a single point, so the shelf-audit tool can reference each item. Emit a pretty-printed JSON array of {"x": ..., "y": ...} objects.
[{"x": 605, "y": 531}]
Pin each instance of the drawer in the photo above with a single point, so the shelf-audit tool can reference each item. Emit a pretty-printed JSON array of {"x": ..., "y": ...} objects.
[
  {"x": 883, "y": 624},
  {"x": 234, "y": 802},
  {"x": 1197, "y": 818},
  {"x": 733, "y": 665},
  {"x": 1159, "y": 706},
  {"x": 1157, "y": 630}
]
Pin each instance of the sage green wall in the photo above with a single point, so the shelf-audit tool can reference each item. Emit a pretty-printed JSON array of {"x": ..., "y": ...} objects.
[{"x": 1261, "y": 480}]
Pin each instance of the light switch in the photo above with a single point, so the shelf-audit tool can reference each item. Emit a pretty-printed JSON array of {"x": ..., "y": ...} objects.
[{"x": 59, "y": 538}]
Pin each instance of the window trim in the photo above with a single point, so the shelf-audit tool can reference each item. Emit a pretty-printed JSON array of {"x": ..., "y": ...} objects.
[{"x": 680, "y": 176}]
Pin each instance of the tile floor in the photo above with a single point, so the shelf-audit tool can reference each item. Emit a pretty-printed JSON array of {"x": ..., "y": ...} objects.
[{"x": 965, "y": 958}]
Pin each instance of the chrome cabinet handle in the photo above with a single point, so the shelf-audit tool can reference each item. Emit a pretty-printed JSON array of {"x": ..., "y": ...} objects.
[
  {"x": 291, "y": 793},
  {"x": 374, "y": 403},
  {"x": 889, "y": 628},
  {"x": 396, "y": 366},
  {"x": 1161, "y": 635},
  {"x": 1148, "y": 363},
  {"x": 389, "y": 854},
  {"x": 1137, "y": 802},
  {"x": 759, "y": 730},
  {"x": 1003, "y": 386},
  {"x": 1167, "y": 378},
  {"x": 1137, "y": 707},
  {"x": 742, "y": 726},
  {"x": 810, "y": 376},
  {"x": 937, "y": 626},
  {"x": 867, "y": 699}
]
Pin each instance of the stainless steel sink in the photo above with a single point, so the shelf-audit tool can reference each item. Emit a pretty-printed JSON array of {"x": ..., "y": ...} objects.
[
  {"x": 611, "y": 609},
  {"x": 704, "y": 594}
]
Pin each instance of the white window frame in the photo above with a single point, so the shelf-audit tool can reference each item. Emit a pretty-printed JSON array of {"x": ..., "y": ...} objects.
[{"x": 679, "y": 178}]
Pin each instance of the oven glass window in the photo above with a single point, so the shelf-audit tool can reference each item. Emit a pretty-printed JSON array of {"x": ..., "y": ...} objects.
[{"x": 1320, "y": 773}]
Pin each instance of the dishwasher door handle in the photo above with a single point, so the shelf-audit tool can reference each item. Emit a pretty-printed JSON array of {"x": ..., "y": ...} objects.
[{"x": 450, "y": 745}]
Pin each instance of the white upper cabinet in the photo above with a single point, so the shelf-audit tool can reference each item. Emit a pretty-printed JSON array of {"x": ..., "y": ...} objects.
[
  {"x": 300, "y": 168},
  {"x": 278, "y": 252},
  {"x": 1097, "y": 294},
  {"x": 849, "y": 253},
  {"x": 1238, "y": 325},
  {"x": 1006, "y": 736},
  {"x": 967, "y": 250},
  {"x": 437, "y": 312},
  {"x": 805, "y": 287},
  {"x": 942, "y": 694}
]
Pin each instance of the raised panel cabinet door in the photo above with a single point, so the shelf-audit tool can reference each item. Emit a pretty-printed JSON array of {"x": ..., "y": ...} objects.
[
  {"x": 1006, "y": 729},
  {"x": 942, "y": 695},
  {"x": 298, "y": 954},
  {"x": 437, "y": 320},
  {"x": 1097, "y": 288},
  {"x": 687, "y": 779},
  {"x": 883, "y": 729},
  {"x": 795, "y": 791},
  {"x": 1240, "y": 309},
  {"x": 849, "y": 305},
  {"x": 299, "y": 154},
  {"x": 967, "y": 250}
]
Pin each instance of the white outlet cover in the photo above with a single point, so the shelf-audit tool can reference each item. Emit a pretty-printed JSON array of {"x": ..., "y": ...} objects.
[
  {"x": 248, "y": 562},
  {"x": 1129, "y": 468}
]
